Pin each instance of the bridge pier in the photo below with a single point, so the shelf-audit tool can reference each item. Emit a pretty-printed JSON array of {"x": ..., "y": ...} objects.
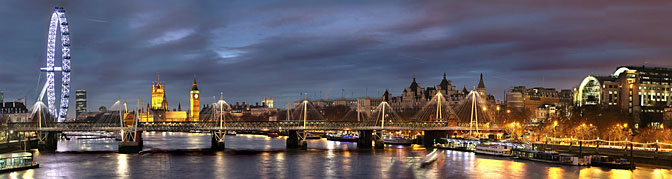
[
  {"x": 130, "y": 147},
  {"x": 294, "y": 141},
  {"x": 217, "y": 142},
  {"x": 379, "y": 143},
  {"x": 432, "y": 137},
  {"x": 365, "y": 140},
  {"x": 48, "y": 141}
]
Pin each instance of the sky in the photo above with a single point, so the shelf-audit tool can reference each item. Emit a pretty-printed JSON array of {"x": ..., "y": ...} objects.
[{"x": 327, "y": 49}]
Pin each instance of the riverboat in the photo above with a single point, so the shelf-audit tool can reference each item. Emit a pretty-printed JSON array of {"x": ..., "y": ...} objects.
[
  {"x": 397, "y": 140},
  {"x": 273, "y": 134},
  {"x": 493, "y": 149},
  {"x": 343, "y": 137},
  {"x": 552, "y": 157},
  {"x": 609, "y": 162},
  {"x": 17, "y": 161}
]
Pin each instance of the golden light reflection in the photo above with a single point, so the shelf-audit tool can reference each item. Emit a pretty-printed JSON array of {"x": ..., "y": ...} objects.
[
  {"x": 489, "y": 168},
  {"x": 122, "y": 165},
  {"x": 555, "y": 172},
  {"x": 29, "y": 174},
  {"x": 621, "y": 174}
]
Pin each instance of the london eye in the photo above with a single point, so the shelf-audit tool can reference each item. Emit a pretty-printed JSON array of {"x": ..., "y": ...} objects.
[{"x": 58, "y": 21}]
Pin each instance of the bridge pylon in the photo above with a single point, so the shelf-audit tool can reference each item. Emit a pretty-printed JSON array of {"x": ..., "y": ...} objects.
[{"x": 131, "y": 138}]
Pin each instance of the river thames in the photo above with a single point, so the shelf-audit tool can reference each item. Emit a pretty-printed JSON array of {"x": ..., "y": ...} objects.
[{"x": 187, "y": 155}]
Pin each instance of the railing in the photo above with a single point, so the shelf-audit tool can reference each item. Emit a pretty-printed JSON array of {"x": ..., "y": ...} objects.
[
  {"x": 640, "y": 146},
  {"x": 241, "y": 126}
]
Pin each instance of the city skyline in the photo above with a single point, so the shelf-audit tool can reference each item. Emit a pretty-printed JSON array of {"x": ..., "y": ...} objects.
[{"x": 250, "y": 50}]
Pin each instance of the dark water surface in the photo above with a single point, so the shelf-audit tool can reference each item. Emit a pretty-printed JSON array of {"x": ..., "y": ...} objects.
[{"x": 183, "y": 155}]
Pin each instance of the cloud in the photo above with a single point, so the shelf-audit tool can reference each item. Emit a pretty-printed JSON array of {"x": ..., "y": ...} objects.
[{"x": 251, "y": 49}]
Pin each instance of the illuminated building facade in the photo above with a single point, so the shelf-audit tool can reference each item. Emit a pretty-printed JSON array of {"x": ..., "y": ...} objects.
[
  {"x": 642, "y": 91},
  {"x": 159, "y": 95},
  {"x": 80, "y": 101},
  {"x": 194, "y": 97}
]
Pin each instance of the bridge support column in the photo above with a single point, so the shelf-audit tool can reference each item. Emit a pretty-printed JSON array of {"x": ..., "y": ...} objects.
[
  {"x": 131, "y": 147},
  {"x": 432, "y": 137},
  {"x": 217, "y": 142},
  {"x": 295, "y": 141},
  {"x": 378, "y": 141},
  {"x": 365, "y": 140},
  {"x": 47, "y": 141}
]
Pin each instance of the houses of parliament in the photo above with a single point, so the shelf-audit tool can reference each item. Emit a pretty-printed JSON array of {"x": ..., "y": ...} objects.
[{"x": 159, "y": 112}]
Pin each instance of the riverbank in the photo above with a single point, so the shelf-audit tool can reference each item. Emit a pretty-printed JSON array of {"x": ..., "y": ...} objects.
[
  {"x": 18, "y": 145},
  {"x": 652, "y": 158}
]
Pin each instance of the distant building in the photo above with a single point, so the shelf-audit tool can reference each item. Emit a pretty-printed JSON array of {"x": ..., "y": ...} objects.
[
  {"x": 14, "y": 111},
  {"x": 415, "y": 97},
  {"x": 531, "y": 99},
  {"x": 267, "y": 101},
  {"x": 80, "y": 101},
  {"x": 159, "y": 101},
  {"x": 642, "y": 91},
  {"x": 158, "y": 111}
]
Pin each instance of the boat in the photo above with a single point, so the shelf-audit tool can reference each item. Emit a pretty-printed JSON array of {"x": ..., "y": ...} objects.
[
  {"x": 313, "y": 136},
  {"x": 493, "y": 149},
  {"x": 273, "y": 134},
  {"x": 458, "y": 144},
  {"x": 343, "y": 137},
  {"x": 609, "y": 162},
  {"x": 552, "y": 157},
  {"x": 397, "y": 140},
  {"x": 17, "y": 161},
  {"x": 431, "y": 157},
  {"x": 231, "y": 133}
]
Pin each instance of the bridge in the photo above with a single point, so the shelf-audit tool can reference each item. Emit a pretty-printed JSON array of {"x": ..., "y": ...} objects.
[
  {"x": 436, "y": 120},
  {"x": 244, "y": 126}
]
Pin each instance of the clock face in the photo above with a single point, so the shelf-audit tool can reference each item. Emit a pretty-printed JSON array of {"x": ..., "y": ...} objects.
[{"x": 196, "y": 96}]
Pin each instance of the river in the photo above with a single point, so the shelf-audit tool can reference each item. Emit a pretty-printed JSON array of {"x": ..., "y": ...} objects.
[{"x": 186, "y": 155}]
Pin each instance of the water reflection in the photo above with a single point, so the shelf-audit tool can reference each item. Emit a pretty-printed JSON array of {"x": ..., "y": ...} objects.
[{"x": 255, "y": 156}]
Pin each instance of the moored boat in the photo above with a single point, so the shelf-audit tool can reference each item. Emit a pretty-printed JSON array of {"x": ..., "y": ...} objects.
[
  {"x": 552, "y": 157},
  {"x": 343, "y": 137},
  {"x": 313, "y": 136},
  {"x": 397, "y": 140},
  {"x": 273, "y": 134},
  {"x": 493, "y": 149},
  {"x": 17, "y": 161},
  {"x": 610, "y": 162}
]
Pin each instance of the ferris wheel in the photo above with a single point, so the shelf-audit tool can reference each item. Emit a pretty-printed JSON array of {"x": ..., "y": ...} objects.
[{"x": 58, "y": 20}]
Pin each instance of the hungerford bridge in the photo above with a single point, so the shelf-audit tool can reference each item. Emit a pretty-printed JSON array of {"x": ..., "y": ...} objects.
[{"x": 436, "y": 118}]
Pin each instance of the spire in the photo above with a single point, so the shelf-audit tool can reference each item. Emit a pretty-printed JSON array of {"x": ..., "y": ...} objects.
[
  {"x": 179, "y": 107},
  {"x": 194, "y": 86},
  {"x": 386, "y": 95},
  {"x": 158, "y": 77},
  {"x": 444, "y": 82},
  {"x": 480, "y": 83},
  {"x": 414, "y": 85}
]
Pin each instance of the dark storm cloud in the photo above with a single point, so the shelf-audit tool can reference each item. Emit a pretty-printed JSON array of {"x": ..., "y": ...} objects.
[{"x": 251, "y": 49}]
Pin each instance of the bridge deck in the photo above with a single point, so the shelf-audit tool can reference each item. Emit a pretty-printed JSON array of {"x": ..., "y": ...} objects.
[{"x": 244, "y": 126}]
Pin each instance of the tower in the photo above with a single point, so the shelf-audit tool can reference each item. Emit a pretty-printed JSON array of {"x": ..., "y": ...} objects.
[
  {"x": 481, "y": 87},
  {"x": 80, "y": 100},
  {"x": 159, "y": 95},
  {"x": 194, "y": 99}
]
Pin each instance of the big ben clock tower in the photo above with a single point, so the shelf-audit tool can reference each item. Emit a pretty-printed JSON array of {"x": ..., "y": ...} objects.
[{"x": 194, "y": 98}]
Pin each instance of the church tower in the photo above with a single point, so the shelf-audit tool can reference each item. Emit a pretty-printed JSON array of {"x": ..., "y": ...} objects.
[
  {"x": 159, "y": 95},
  {"x": 194, "y": 98}
]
